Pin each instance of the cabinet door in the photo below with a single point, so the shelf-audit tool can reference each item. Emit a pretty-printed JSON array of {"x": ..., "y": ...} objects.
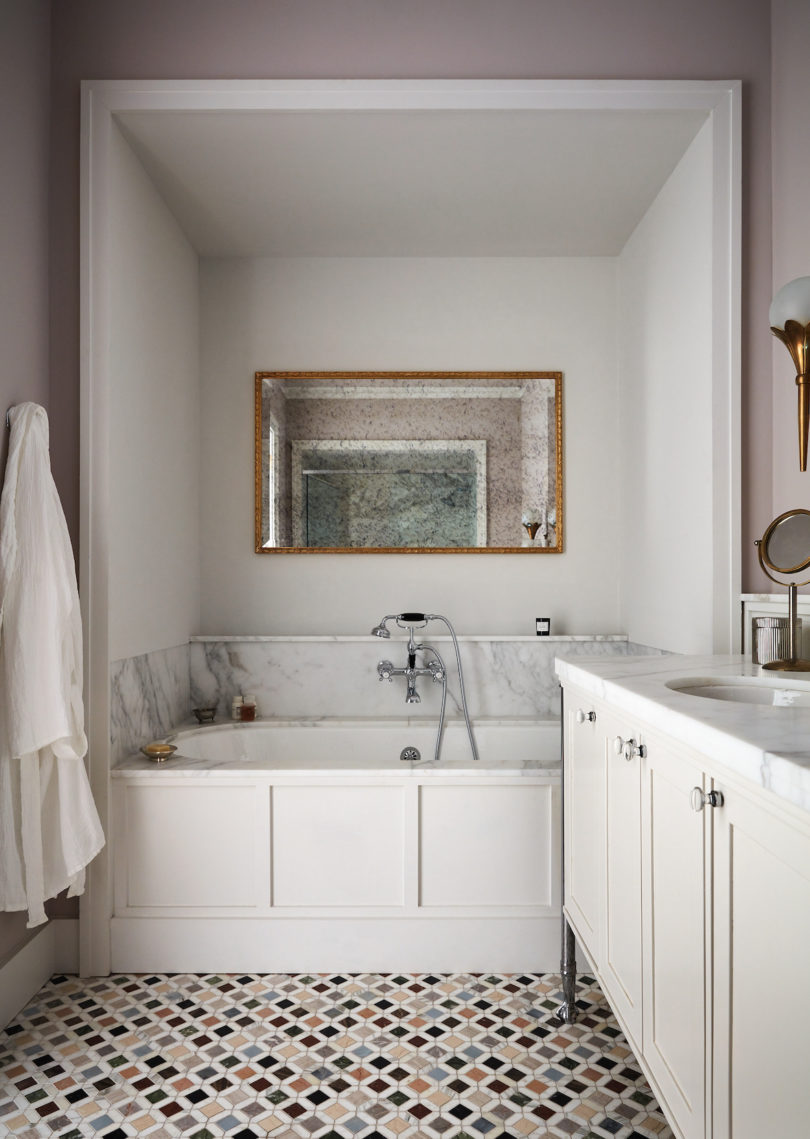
[
  {"x": 621, "y": 971},
  {"x": 674, "y": 933},
  {"x": 762, "y": 985},
  {"x": 584, "y": 819}
]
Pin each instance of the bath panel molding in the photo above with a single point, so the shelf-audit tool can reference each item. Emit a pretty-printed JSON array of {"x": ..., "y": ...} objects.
[{"x": 295, "y": 877}]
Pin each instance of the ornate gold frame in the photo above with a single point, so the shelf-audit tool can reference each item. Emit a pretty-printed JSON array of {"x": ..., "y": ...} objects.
[{"x": 260, "y": 376}]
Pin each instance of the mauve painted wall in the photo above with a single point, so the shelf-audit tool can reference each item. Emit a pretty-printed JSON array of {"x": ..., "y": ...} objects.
[
  {"x": 454, "y": 39},
  {"x": 791, "y": 231},
  {"x": 24, "y": 112},
  {"x": 24, "y": 98}
]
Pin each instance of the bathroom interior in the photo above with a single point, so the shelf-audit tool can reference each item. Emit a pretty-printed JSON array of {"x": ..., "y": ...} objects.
[{"x": 381, "y": 838}]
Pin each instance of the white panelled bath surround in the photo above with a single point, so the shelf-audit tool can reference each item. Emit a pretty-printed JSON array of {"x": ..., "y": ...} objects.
[{"x": 328, "y": 851}]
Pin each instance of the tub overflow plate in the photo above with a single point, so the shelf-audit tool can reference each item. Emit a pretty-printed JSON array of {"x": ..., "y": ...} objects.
[{"x": 410, "y": 754}]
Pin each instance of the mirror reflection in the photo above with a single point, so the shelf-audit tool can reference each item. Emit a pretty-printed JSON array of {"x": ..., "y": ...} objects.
[
  {"x": 785, "y": 549},
  {"x": 786, "y": 543},
  {"x": 405, "y": 461}
]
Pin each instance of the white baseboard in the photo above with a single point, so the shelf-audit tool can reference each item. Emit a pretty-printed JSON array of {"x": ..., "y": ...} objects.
[
  {"x": 54, "y": 948},
  {"x": 317, "y": 945}
]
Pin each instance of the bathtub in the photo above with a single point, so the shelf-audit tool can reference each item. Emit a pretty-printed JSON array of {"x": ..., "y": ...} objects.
[
  {"x": 283, "y": 846},
  {"x": 365, "y": 744}
]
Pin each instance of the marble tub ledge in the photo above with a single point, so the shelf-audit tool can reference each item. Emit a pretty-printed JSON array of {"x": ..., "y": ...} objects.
[{"x": 235, "y": 638}]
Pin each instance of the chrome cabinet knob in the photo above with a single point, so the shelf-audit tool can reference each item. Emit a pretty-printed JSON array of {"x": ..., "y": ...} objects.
[
  {"x": 630, "y": 749},
  {"x": 585, "y": 717},
  {"x": 700, "y": 799}
]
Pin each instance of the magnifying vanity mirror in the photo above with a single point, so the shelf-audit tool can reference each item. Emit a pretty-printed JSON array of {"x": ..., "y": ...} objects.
[
  {"x": 419, "y": 462},
  {"x": 785, "y": 549}
]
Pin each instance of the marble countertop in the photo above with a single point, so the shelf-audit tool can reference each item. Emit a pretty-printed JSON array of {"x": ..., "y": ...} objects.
[{"x": 766, "y": 744}]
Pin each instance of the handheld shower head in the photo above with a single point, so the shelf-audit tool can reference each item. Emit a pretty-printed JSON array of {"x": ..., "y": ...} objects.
[
  {"x": 411, "y": 620},
  {"x": 403, "y": 620},
  {"x": 381, "y": 630}
]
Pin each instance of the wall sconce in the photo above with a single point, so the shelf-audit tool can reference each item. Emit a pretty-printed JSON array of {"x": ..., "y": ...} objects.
[
  {"x": 790, "y": 322},
  {"x": 531, "y": 523}
]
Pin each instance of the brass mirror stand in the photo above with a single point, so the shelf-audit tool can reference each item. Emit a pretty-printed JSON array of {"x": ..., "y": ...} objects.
[
  {"x": 792, "y": 663},
  {"x": 785, "y": 549}
]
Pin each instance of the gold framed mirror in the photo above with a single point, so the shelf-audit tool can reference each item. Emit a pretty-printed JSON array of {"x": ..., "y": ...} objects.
[{"x": 408, "y": 462}]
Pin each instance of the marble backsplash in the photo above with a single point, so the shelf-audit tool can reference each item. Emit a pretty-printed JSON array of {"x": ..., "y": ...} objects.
[
  {"x": 149, "y": 695},
  {"x": 311, "y": 677},
  {"x": 338, "y": 677}
]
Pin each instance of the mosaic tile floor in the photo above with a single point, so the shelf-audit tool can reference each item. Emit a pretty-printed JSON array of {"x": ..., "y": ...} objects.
[{"x": 322, "y": 1057}]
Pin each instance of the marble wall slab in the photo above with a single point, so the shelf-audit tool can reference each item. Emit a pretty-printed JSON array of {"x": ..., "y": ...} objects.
[
  {"x": 331, "y": 677},
  {"x": 149, "y": 695}
]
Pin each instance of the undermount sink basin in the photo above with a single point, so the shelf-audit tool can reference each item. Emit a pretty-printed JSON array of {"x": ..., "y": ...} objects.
[{"x": 746, "y": 690}]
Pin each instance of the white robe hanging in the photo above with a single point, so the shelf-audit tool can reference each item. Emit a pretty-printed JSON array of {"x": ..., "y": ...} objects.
[{"x": 49, "y": 826}]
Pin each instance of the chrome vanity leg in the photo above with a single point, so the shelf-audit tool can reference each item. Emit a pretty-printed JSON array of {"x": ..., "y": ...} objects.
[{"x": 567, "y": 1012}]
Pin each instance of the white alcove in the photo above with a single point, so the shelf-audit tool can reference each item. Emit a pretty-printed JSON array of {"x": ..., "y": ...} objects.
[{"x": 229, "y": 227}]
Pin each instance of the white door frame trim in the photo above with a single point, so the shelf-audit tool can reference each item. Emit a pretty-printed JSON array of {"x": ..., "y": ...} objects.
[{"x": 103, "y": 99}]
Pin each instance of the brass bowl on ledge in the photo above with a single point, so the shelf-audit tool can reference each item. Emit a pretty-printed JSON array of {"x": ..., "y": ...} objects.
[{"x": 158, "y": 751}]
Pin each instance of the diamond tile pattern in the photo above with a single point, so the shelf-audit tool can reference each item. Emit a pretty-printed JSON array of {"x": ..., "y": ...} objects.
[{"x": 332, "y": 1056}]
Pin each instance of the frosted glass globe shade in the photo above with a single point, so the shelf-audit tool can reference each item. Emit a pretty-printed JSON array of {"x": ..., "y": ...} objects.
[{"x": 792, "y": 302}]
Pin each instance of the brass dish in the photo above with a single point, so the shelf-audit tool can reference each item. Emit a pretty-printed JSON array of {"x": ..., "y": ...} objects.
[{"x": 158, "y": 751}]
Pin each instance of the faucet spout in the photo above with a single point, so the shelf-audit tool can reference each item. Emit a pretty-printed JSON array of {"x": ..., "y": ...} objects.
[{"x": 412, "y": 696}]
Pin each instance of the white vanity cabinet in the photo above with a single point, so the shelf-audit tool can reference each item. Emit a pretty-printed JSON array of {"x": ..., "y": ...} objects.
[
  {"x": 621, "y": 941},
  {"x": 761, "y": 992},
  {"x": 585, "y": 817},
  {"x": 603, "y": 848},
  {"x": 689, "y": 889},
  {"x": 676, "y": 900}
]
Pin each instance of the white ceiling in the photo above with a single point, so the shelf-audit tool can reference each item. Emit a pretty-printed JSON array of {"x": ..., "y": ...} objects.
[{"x": 410, "y": 184}]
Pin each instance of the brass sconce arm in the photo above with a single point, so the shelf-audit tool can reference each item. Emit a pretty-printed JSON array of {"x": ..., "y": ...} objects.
[{"x": 794, "y": 337}]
